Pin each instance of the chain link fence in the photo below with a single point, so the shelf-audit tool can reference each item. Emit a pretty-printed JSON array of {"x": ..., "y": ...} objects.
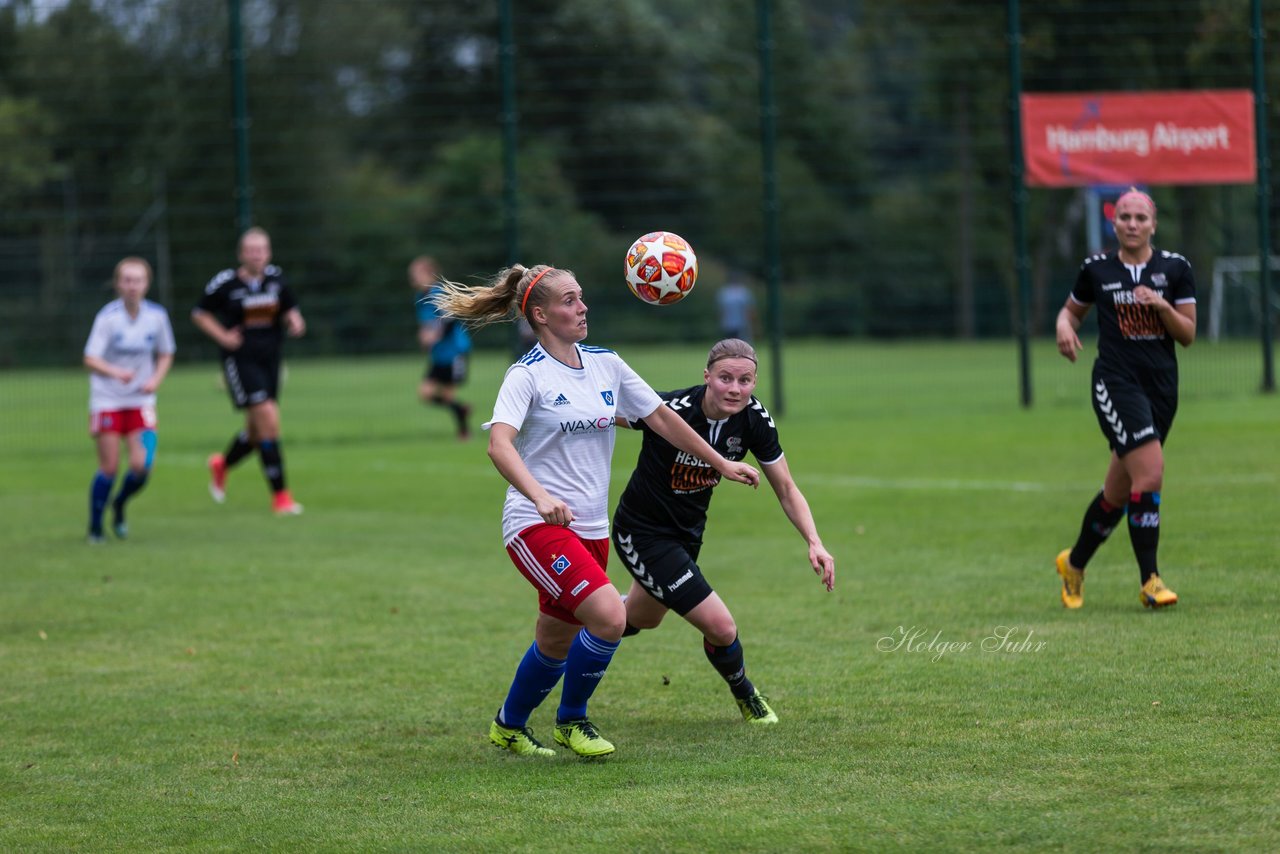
[{"x": 377, "y": 130}]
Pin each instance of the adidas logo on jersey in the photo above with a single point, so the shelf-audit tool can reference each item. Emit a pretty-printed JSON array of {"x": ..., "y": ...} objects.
[{"x": 560, "y": 400}]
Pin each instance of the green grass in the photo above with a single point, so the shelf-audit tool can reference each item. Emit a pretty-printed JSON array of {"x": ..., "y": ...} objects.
[{"x": 227, "y": 680}]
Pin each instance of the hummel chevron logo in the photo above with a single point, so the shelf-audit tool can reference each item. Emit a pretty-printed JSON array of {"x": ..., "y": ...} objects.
[
  {"x": 680, "y": 403},
  {"x": 1107, "y": 408},
  {"x": 636, "y": 566},
  {"x": 759, "y": 407}
]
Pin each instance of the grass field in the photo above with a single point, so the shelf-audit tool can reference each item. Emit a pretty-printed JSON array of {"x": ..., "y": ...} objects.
[{"x": 228, "y": 681}]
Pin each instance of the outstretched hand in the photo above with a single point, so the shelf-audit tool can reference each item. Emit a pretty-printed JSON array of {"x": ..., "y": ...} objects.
[{"x": 824, "y": 565}]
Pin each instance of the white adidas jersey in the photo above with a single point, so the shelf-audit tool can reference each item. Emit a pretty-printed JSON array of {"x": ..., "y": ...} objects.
[
  {"x": 127, "y": 342},
  {"x": 565, "y": 418}
]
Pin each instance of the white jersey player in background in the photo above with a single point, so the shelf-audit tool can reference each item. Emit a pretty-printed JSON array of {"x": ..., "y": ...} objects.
[
  {"x": 551, "y": 436},
  {"x": 129, "y": 352}
]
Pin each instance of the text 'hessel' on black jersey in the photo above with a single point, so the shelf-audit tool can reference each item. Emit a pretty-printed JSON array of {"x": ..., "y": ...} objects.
[
  {"x": 1131, "y": 337},
  {"x": 670, "y": 490},
  {"x": 258, "y": 310}
]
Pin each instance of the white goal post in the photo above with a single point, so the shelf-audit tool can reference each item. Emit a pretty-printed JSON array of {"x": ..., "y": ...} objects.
[{"x": 1229, "y": 271}]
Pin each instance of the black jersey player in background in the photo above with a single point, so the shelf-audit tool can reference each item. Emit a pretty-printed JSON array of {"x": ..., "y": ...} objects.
[
  {"x": 1146, "y": 301},
  {"x": 247, "y": 310},
  {"x": 658, "y": 525}
]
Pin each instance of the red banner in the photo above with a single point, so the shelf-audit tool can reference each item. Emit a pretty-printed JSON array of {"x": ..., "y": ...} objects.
[{"x": 1082, "y": 138}]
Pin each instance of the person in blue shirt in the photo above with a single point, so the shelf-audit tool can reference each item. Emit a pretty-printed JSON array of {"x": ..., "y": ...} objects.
[
  {"x": 737, "y": 309},
  {"x": 446, "y": 340}
]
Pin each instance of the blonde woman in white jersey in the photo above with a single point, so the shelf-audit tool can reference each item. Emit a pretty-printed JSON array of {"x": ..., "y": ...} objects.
[
  {"x": 551, "y": 436},
  {"x": 128, "y": 354}
]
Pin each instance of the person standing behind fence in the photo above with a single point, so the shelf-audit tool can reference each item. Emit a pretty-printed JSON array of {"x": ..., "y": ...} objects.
[
  {"x": 551, "y": 436},
  {"x": 129, "y": 353},
  {"x": 1146, "y": 302},
  {"x": 446, "y": 340},
  {"x": 662, "y": 514},
  {"x": 247, "y": 310},
  {"x": 737, "y": 308}
]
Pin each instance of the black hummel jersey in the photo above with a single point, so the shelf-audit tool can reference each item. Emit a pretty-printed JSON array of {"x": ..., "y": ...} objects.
[
  {"x": 1131, "y": 336},
  {"x": 258, "y": 311},
  {"x": 670, "y": 490}
]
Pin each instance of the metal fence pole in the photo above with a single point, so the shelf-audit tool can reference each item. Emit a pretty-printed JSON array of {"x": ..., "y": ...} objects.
[
  {"x": 510, "y": 175},
  {"x": 239, "y": 118},
  {"x": 1264, "y": 198},
  {"x": 510, "y": 144},
  {"x": 1022, "y": 262},
  {"x": 768, "y": 157}
]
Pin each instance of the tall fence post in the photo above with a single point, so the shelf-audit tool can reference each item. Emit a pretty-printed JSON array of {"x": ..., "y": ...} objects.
[
  {"x": 768, "y": 158},
  {"x": 239, "y": 118},
  {"x": 1022, "y": 262},
  {"x": 1264, "y": 197},
  {"x": 510, "y": 175},
  {"x": 510, "y": 145}
]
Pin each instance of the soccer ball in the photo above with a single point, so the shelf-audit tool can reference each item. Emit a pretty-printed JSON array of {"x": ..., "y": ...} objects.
[{"x": 661, "y": 268}]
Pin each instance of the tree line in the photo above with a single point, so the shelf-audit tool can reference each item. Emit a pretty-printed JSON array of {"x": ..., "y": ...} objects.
[{"x": 377, "y": 133}]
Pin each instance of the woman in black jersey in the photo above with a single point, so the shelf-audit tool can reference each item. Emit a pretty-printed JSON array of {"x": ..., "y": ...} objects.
[
  {"x": 1146, "y": 301},
  {"x": 657, "y": 528},
  {"x": 247, "y": 310}
]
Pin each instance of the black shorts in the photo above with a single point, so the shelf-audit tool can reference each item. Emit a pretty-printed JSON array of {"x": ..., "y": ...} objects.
[
  {"x": 448, "y": 373},
  {"x": 666, "y": 568},
  {"x": 1133, "y": 413},
  {"x": 251, "y": 381}
]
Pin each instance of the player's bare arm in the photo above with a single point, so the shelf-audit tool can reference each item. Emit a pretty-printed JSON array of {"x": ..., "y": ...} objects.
[
  {"x": 1068, "y": 328},
  {"x": 672, "y": 427},
  {"x": 506, "y": 459},
  {"x": 796, "y": 506},
  {"x": 102, "y": 366},
  {"x": 227, "y": 339},
  {"x": 1179, "y": 320}
]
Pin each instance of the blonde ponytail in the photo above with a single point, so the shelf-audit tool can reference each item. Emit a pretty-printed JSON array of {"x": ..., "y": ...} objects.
[{"x": 500, "y": 299}]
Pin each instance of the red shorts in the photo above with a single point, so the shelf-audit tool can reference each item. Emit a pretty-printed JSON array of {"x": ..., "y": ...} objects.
[
  {"x": 122, "y": 421},
  {"x": 564, "y": 568}
]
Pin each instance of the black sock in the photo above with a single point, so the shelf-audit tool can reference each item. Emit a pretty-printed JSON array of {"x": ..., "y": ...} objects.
[
  {"x": 1144, "y": 531},
  {"x": 727, "y": 660},
  {"x": 460, "y": 411},
  {"x": 1100, "y": 519},
  {"x": 630, "y": 631},
  {"x": 129, "y": 487},
  {"x": 239, "y": 448},
  {"x": 272, "y": 463}
]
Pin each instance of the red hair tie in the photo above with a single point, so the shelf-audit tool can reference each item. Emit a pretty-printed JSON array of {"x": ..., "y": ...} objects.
[{"x": 525, "y": 300}]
